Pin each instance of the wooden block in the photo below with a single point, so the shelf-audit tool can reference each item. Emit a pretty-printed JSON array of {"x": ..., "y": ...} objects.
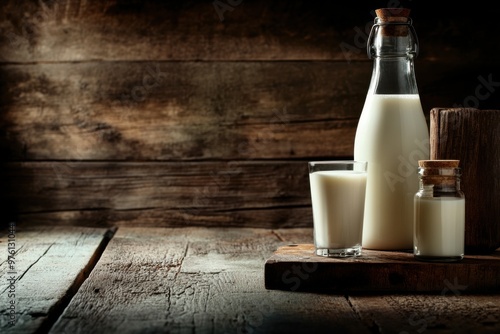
[
  {"x": 473, "y": 137},
  {"x": 297, "y": 268}
]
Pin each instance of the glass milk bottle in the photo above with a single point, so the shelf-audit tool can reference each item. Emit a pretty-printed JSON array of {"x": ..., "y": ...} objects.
[
  {"x": 392, "y": 133},
  {"x": 439, "y": 230}
]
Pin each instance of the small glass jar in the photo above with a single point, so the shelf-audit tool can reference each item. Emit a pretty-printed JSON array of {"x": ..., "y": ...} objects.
[{"x": 439, "y": 212}]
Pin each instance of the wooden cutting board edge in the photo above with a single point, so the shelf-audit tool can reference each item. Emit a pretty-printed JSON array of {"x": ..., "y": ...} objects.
[{"x": 297, "y": 268}]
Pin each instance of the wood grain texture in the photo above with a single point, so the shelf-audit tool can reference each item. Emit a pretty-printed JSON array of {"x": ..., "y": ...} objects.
[
  {"x": 271, "y": 217},
  {"x": 180, "y": 111},
  {"x": 235, "y": 193},
  {"x": 193, "y": 30},
  {"x": 192, "y": 111},
  {"x": 73, "y": 30},
  {"x": 50, "y": 265},
  {"x": 450, "y": 311},
  {"x": 377, "y": 272},
  {"x": 146, "y": 81},
  {"x": 473, "y": 137},
  {"x": 205, "y": 280},
  {"x": 210, "y": 280}
]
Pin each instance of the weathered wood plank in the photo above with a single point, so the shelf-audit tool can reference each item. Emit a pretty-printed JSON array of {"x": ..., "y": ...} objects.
[
  {"x": 271, "y": 217},
  {"x": 49, "y": 186},
  {"x": 377, "y": 272},
  {"x": 62, "y": 30},
  {"x": 196, "y": 280},
  {"x": 50, "y": 264},
  {"x": 450, "y": 311},
  {"x": 238, "y": 193},
  {"x": 180, "y": 111},
  {"x": 193, "y": 111},
  {"x": 73, "y": 30}
]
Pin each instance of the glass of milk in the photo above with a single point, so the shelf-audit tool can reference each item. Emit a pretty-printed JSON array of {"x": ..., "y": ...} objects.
[{"x": 338, "y": 199}]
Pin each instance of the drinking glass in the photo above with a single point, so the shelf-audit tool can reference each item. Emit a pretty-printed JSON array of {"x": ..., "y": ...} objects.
[{"x": 338, "y": 199}]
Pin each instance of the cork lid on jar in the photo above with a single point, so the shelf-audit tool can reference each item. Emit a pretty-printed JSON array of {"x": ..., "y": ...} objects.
[
  {"x": 443, "y": 172},
  {"x": 439, "y": 163}
]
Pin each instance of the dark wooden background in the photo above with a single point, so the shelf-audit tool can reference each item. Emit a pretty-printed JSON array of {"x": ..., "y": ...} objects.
[{"x": 170, "y": 113}]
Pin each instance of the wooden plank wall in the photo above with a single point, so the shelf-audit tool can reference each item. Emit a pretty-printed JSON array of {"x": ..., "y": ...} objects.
[{"x": 176, "y": 113}]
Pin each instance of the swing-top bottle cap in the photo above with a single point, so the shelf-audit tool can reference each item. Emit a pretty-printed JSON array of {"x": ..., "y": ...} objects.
[{"x": 393, "y": 21}]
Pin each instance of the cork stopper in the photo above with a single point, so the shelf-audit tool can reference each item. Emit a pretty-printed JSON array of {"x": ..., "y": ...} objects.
[
  {"x": 393, "y": 15},
  {"x": 439, "y": 163},
  {"x": 439, "y": 172}
]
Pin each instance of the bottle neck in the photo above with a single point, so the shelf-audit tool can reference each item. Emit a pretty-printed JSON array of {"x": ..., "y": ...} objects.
[
  {"x": 393, "y": 75},
  {"x": 393, "y": 46}
]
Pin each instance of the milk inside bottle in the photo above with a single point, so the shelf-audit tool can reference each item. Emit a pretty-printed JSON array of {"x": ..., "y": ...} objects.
[{"x": 392, "y": 133}]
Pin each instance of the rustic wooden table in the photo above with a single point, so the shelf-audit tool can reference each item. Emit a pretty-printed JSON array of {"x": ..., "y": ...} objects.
[{"x": 198, "y": 280}]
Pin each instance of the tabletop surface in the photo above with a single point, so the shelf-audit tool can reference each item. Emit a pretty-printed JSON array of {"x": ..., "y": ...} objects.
[{"x": 199, "y": 280}]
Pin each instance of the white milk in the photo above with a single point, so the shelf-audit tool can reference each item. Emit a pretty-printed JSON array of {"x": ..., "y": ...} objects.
[
  {"x": 439, "y": 226},
  {"x": 392, "y": 135},
  {"x": 337, "y": 205}
]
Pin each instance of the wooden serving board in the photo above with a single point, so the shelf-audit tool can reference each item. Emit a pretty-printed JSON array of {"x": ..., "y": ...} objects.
[{"x": 297, "y": 268}]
